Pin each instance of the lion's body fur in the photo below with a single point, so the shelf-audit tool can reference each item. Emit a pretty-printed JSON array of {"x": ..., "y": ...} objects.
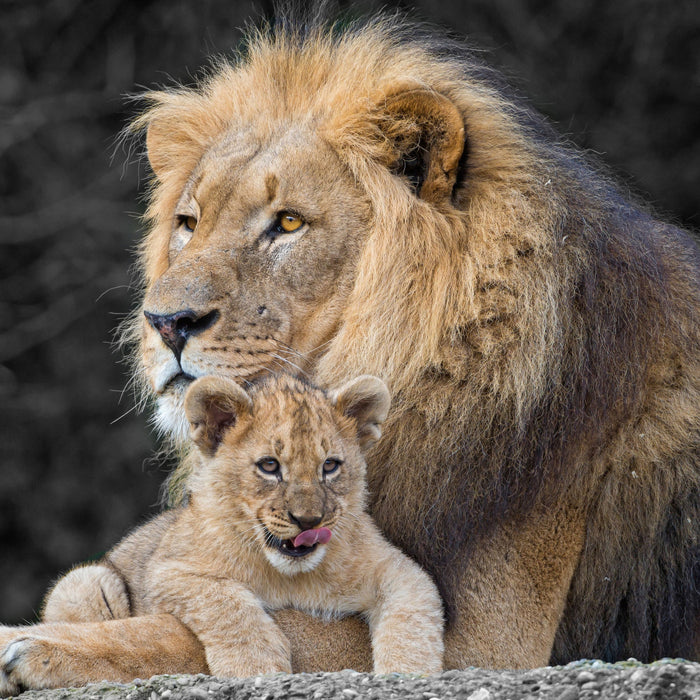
[{"x": 539, "y": 332}]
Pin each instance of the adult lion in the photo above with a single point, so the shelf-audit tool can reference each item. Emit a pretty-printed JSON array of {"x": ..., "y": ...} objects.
[{"x": 373, "y": 200}]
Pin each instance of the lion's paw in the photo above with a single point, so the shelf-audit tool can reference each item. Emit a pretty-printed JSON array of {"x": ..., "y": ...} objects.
[
  {"x": 24, "y": 664},
  {"x": 9, "y": 661}
]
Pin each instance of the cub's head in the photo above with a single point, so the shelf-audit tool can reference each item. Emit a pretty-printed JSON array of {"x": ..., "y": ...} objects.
[{"x": 282, "y": 463}]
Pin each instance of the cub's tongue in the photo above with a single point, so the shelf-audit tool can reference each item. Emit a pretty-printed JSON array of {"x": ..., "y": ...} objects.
[{"x": 308, "y": 538}]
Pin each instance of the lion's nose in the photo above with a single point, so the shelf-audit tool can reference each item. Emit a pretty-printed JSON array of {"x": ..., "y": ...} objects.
[
  {"x": 305, "y": 521},
  {"x": 175, "y": 329}
]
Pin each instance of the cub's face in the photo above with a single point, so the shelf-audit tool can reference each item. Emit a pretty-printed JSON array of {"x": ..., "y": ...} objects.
[
  {"x": 292, "y": 471},
  {"x": 254, "y": 266},
  {"x": 283, "y": 466}
]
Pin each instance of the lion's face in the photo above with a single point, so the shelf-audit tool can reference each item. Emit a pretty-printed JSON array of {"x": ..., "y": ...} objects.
[
  {"x": 260, "y": 260},
  {"x": 282, "y": 467}
]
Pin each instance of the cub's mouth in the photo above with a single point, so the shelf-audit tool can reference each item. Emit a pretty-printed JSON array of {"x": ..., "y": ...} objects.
[{"x": 300, "y": 546}]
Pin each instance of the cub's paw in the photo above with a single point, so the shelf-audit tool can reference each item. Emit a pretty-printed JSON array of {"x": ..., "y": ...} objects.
[
  {"x": 24, "y": 664},
  {"x": 87, "y": 594},
  {"x": 230, "y": 662}
]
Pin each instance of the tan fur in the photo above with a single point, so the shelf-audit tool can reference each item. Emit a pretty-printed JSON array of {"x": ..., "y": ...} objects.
[
  {"x": 71, "y": 654},
  {"x": 214, "y": 565},
  {"x": 538, "y": 331},
  {"x": 87, "y": 594}
]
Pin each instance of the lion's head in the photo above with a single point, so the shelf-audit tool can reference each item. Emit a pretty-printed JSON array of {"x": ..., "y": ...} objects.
[
  {"x": 257, "y": 262},
  {"x": 305, "y": 216}
]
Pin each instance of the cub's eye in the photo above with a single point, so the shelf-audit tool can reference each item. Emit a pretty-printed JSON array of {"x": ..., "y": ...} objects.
[
  {"x": 268, "y": 465},
  {"x": 189, "y": 223},
  {"x": 289, "y": 222},
  {"x": 330, "y": 466}
]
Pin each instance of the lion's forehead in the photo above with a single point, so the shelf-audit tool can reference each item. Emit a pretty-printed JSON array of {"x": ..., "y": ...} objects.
[{"x": 239, "y": 161}]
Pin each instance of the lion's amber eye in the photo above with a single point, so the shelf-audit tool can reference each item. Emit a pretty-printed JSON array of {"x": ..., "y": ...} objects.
[
  {"x": 189, "y": 223},
  {"x": 331, "y": 465},
  {"x": 290, "y": 222},
  {"x": 268, "y": 465}
]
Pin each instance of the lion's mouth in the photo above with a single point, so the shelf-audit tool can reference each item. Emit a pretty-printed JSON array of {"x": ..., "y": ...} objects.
[
  {"x": 172, "y": 381},
  {"x": 302, "y": 545},
  {"x": 182, "y": 379}
]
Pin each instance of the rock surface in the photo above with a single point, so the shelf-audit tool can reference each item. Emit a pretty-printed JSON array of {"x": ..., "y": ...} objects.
[{"x": 668, "y": 678}]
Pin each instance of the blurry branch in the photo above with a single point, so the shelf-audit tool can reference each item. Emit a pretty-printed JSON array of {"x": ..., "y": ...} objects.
[
  {"x": 47, "y": 324},
  {"x": 94, "y": 213},
  {"x": 87, "y": 22},
  {"x": 50, "y": 110}
]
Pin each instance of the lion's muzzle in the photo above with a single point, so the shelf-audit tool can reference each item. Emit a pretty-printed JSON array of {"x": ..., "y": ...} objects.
[{"x": 175, "y": 329}]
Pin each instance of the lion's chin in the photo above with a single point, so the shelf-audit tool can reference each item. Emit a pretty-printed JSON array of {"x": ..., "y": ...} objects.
[{"x": 169, "y": 418}]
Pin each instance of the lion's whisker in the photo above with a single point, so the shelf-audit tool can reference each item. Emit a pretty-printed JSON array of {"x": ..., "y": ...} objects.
[{"x": 290, "y": 363}]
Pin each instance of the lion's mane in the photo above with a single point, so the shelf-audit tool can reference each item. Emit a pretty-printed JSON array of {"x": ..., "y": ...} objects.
[{"x": 539, "y": 333}]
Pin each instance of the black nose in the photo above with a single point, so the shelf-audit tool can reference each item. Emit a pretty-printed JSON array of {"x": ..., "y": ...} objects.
[
  {"x": 305, "y": 521},
  {"x": 176, "y": 328}
]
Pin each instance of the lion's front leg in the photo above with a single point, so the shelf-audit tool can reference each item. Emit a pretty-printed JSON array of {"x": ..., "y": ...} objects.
[
  {"x": 30, "y": 662},
  {"x": 405, "y": 616},
  {"x": 512, "y": 593},
  {"x": 57, "y": 655}
]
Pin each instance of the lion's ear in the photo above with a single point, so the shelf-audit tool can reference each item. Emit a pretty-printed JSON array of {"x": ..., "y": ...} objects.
[
  {"x": 367, "y": 400},
  {"x": 212, "y": 405},
  {"x": 157, "y": 147},
  {"x": 427, "y": 131},
  {"x": 176, "y": 130},
  {"x": 169, "y": 146}
]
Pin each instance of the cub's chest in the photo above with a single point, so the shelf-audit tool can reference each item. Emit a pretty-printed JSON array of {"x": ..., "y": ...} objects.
[{"x": 311, "y": 592}]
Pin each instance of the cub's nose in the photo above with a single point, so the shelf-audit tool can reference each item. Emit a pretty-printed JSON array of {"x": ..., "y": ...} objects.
[
  {"x": 175, "y": 329},
  {"x": 305, "y": 521}
]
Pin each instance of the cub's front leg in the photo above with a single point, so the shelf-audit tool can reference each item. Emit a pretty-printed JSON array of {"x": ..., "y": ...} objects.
[
  {"x": 240, "y": 639},
  {"x": 406, "y": 619}
]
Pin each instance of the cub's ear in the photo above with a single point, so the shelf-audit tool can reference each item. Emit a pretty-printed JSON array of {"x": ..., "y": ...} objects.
[
  {"x": 427, "y": 131},
  {"x": 213, "y": 404},
  {"x": 367, "y": 400}
]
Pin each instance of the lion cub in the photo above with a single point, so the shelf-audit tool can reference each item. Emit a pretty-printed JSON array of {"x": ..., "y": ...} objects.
[{"x": 275, "y": 519}]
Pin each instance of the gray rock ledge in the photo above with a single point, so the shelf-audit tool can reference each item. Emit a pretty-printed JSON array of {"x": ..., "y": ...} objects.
[{"x": 668, "y": 678}]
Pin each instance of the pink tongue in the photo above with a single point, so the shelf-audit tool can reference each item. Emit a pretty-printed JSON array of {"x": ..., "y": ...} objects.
[{"x": 307, "y": 538}]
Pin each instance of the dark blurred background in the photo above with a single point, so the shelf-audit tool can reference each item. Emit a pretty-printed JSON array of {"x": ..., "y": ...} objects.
[{"x": 78, "y": 465}]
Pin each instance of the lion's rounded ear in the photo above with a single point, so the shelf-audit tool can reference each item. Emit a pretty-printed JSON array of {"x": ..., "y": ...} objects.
[
  {"x": 176, "y": 131},
  {"x": 212, "y": 405},
  {"x": 427, "y": 131},
  {"x": 171, "y": 146},
  {"x": 157, "y": 146},
  {"x": 367, "y": 400}
]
